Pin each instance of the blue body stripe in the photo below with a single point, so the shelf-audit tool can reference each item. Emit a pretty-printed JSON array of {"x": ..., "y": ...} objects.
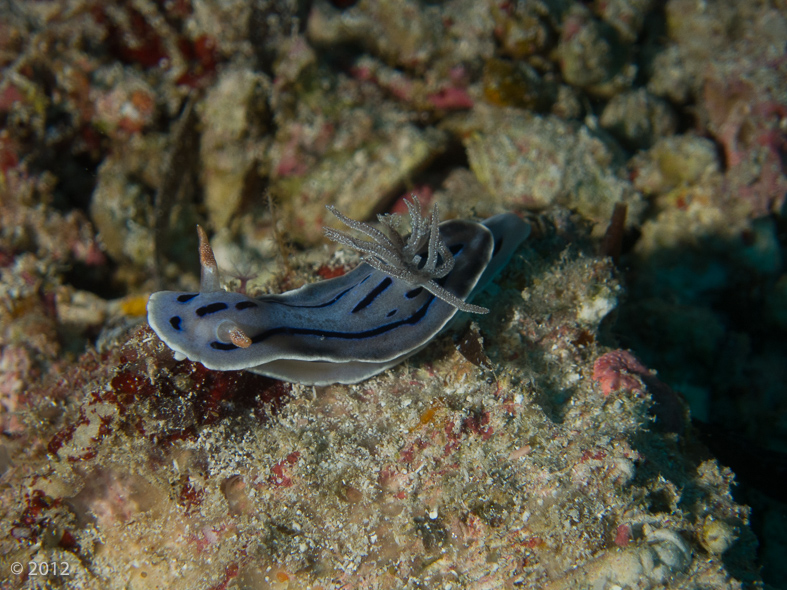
[
  {"x": 373, "y": 294},
  {"x": 416, "y": 317}
]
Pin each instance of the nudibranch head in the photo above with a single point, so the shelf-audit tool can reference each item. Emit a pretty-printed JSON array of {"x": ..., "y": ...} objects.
[{"x": 195, "y": 325}]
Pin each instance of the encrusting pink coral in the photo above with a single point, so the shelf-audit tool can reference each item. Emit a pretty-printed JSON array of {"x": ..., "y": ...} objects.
[{"x": 618, "y": 370}]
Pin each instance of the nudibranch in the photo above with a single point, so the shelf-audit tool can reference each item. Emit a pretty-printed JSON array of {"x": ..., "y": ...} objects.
[{"x": 349, "y": 328}]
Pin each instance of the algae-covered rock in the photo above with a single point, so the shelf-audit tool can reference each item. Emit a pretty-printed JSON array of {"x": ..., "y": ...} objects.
[
  {"x": 627, "y": 17},
  {"x": 516, "y": 84},
  {"x": 230, "y": 147},
  {"x": 591, "y": 55},
  {"x": 226, "y": 22},
  {"x": 637, "y": 119},
  {"x": 437, "y": 470},
  {"x": 541, "y": 160},
  {"x": 356, "y": 174},
  {"x": 402, "y": 33},
  {"x": 122, "y": 203},
  {"x": 674, "y": 162},
  {"x": 526, "y": 32},
  {"x": 396, "y": 31}
]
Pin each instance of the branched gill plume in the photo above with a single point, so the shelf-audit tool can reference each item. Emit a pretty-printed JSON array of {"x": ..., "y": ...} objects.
[{"x": 390, "y": 252}]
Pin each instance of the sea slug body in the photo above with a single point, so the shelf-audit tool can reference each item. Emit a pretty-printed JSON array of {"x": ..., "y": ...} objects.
[{"x": 349, "y": 328}]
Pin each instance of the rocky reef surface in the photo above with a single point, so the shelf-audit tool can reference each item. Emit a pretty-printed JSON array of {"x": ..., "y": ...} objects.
[{"x": 587, "y": 433}]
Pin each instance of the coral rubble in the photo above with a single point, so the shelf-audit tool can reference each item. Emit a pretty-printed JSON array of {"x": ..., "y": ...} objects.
[{"x": 564, "y": 440}]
